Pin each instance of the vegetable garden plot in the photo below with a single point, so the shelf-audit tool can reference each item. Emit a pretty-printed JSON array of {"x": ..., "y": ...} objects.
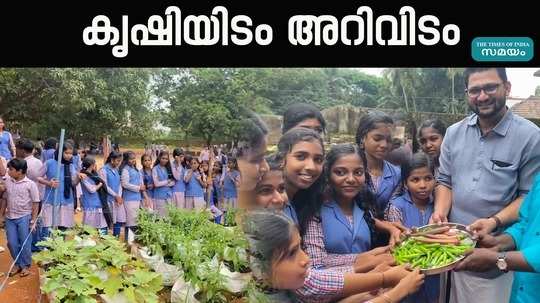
[
  {"x": 208, "y": 261},
  {"x": 81, "y": 266}
]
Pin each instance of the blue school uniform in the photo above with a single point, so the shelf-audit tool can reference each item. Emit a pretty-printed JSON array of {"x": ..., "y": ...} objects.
[
  {"x": 229, "y": 188},
  {"x": 340, "y": 237},
  {"x": 47, "y": 154},
  {"x": 413, "y": 217},
  {"x": 216, "y": 194},
  {"x": 135, "y": 179},
  {"x": 113, "y": 180},
  {"x": 162, "y": 192},
  {"x": 77, "y": 162},
  {"x": 89, "y": 200},
  {"x": 51, "y": 165},
  {"x": 180, "y": 185},
  {"x": 290, "y": 212},
  {"x": 193, "y": 187},
  {"x": 148, "y": 180},
  {"x": 5, "y": 145},
  {"x": 390, "y": 180}
]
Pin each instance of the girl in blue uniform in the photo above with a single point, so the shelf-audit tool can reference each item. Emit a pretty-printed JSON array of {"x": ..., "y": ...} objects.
[
  {"x": 146, "y": 171},
  {"x": 93, "y": 214},
  {"x": 216, "y": 191},
  {"x": 64, "y": 185},
  {"x": 163, "y": 182},
  {"x": 195, "y": 183},
  {"x": 178, "y": 171},
  {"x": 230, "y": 183},
  {"x": 7, "y": 145},
  {"x": 132, "y": 187},
  {"x": 48, "y": 149},
  {"x": 344, "y": 226},
  {"x": 302, "y": 154},
  {"x": 414, "y": 208},
  {"x": 111, "y": 176},
  {"x": 374, "y": 137},
  {"x": 77, "y": 161}
]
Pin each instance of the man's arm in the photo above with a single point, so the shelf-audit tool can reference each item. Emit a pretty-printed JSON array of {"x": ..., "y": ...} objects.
[
  {"x": 443, "y": 191},
  {"x": 506, "y": 216},
  {"x": 443, "y": 203}
]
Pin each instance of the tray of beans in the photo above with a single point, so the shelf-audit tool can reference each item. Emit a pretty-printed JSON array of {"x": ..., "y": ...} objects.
[{"x": 434, "y": 248}]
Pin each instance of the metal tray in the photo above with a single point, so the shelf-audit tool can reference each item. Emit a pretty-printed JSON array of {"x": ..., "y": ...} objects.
[{"x": 448, "y": 267}]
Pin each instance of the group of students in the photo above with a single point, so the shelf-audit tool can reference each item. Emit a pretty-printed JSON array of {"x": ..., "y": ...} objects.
[
  {"x": 338, "y": 212},
  {"x": 109, "y": 197},
  {"x": 189, "y": 182}
]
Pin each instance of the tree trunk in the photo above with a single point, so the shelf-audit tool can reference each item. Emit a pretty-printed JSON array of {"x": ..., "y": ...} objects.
[{"x": 405, "y": 98}]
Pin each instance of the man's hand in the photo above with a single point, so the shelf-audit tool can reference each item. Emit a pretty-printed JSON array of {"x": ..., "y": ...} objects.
[
  {"x": 488, "y": 241},
  {"x": 483, "y": 226},
  {"x": 479, "y": 260},
  {"x": 437, "y": 218}
]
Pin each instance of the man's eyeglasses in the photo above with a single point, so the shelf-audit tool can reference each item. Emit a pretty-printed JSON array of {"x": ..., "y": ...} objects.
[{"x": 488, "y": 89}]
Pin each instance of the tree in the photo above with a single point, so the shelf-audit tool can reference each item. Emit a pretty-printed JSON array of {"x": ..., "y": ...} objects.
[
  {"x": 424, "y": 89},
  {"x": 87, "y": 102}
]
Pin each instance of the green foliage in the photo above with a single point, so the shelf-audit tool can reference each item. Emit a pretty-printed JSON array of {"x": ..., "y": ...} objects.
[
  {"x": 79, "y": 265},
  {"x": 191, "y": 241},
  {"x": 87, "y": 102},
  {"x": 204, "y": 103},
  {"x": 231, "y": 216},
  {"x": 424, "y": 90},
  {"x": 207, "y": 102}
]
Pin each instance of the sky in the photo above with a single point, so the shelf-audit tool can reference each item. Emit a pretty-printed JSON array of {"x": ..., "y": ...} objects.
[{"x": 522, "y": 79}]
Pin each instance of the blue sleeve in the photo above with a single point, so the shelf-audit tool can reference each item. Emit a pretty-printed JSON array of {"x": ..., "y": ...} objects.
[
  {"x": 517, "y": 230},
  {"x": 532, "y": 256}
]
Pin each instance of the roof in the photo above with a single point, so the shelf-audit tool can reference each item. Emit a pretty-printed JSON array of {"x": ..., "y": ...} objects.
[
  {"x": 510, "y": 101},
  {"x": 529, "y": 108}
]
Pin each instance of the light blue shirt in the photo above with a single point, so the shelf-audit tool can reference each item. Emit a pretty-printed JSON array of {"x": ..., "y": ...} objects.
[
  {"x": 487, "y": 172},
  {"x": 526, "y": 234}
]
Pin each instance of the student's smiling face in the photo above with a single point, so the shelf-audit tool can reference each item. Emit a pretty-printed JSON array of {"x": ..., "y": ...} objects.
[
  {"x": 347, "y": 176},
  {"x": 303, "y": 164},
  {"x": 270, "y": 191}
]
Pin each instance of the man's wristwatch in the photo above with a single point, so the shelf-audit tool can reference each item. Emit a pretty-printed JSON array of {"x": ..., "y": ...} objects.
[{"x": 501, "y": 262}]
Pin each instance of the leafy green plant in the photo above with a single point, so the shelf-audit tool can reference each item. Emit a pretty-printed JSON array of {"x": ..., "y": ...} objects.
[
  {"x": 79, "y": 265},
  {"x": 198, "y": 246},
  {"x": 230, "y": 217}
]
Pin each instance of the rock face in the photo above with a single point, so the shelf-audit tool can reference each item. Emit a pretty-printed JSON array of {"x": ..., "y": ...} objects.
[{"x": 343, "y": 120}]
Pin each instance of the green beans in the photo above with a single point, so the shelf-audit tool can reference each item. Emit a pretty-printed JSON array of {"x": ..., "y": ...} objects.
[{"x": 428, "y": 255}]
